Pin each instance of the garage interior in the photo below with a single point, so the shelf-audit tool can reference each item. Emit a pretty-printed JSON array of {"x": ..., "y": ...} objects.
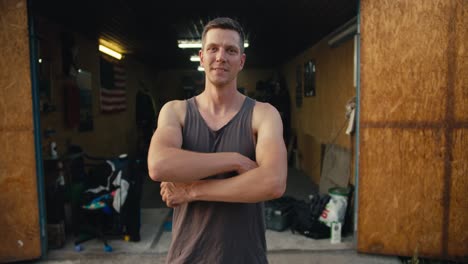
[
  {"x": 410, "y": 84},
  {"x": 286, "y": 40}
]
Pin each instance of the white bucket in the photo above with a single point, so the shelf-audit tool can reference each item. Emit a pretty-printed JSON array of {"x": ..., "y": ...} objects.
[{"x": 335, "y": 210}]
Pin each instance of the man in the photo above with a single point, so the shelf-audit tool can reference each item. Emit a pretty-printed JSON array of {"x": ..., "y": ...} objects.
[{"x": 218, "y": 156}]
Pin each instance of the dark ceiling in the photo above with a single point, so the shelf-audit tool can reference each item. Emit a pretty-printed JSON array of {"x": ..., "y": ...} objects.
[{"x": 148, "y": 30}]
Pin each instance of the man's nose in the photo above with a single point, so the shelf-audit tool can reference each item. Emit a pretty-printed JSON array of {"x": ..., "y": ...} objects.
[{"x": 220, "y": 55}]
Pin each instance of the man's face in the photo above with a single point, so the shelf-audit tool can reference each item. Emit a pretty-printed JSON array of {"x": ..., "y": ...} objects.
[{"x": 221, "y": 56}]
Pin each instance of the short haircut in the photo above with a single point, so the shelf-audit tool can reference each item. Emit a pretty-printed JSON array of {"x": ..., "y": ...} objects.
[{"x": 225, "y": 23}]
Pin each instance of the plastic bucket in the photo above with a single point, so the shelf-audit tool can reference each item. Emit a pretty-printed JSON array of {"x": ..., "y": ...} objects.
[
  {"x": 339, "y": 192},
  {"x": 335, "y": 209}
]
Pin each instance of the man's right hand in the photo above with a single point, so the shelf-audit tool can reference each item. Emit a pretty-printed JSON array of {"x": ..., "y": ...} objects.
[{"x": 175, "y": 194}]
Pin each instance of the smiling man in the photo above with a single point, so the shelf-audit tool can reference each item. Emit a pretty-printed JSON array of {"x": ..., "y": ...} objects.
[{"x": 218, "y": 156}]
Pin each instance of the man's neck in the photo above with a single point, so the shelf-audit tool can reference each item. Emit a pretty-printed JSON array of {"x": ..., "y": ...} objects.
[{"x": 220, "y": 100}]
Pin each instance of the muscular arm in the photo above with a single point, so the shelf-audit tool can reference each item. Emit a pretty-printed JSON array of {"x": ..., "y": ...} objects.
[
  {"x": 168, "y": 162},
  {"x": 267, "y": 181}
]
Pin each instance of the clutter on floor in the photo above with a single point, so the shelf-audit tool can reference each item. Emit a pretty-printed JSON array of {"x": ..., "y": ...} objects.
[
  {"x": 321, "y": 216},
  {"x": 92, "y": 198},
  {"x": 152, "y": 221}
]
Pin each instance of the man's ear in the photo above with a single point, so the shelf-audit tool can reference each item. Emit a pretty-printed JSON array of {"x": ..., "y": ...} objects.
[
  {"x": 200, "y": 54},
  {"x": 242, "y": 62}
]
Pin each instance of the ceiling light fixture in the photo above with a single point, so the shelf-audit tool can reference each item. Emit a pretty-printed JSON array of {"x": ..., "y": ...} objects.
[
  {"x": 343, "y": 33},
  {"x": 189, "y": 44},
  {"x": 200, "y": 68},
  {"x": 197, "y": 44},
  {"x": 110, "y": 52},
  {"x": 194, "y": 58}
]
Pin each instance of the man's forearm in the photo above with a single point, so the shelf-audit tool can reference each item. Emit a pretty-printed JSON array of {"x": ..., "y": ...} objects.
[
  {"x": 177, "y": 165},
  {"x": 256, "y": 185}
]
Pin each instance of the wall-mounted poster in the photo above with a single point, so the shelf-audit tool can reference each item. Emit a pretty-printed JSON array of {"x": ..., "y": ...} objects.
[
  {"x": 83, "y": 80},
  {"x": 309, "y": 78}
]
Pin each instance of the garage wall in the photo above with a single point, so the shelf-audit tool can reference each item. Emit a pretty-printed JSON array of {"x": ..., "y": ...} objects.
[
  {"x": 113, "y": 134},
  {"x": 170, "y": 83},
  {"x": 320, "y": 118},
  {"x": 249, "y": 77}
]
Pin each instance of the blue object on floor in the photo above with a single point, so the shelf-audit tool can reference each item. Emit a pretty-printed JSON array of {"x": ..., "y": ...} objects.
[
  {"x": 78, "y": 248},
  {"x": 168, "y": 222},
  {"x": 107, "y": 248},
  {"x": 168, "y": 225}
]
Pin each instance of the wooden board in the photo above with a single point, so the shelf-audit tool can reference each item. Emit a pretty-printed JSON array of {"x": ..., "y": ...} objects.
[
  {"x": 400, "y": 191},
  {"x": 19, "y": 220},
  {"x": 414, "y": 121}
]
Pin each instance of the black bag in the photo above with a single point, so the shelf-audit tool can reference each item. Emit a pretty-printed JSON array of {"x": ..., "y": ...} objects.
[
  {"x": 278, "y": 213},
  {"x": 306, "y": 215}
]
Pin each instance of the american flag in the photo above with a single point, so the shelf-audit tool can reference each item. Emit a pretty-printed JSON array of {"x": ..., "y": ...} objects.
[{"x": 113, "y": 81}]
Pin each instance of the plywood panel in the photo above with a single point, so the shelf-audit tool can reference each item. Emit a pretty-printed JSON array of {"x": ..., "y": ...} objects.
[
  {"x": 19, "y": 223},
  {"x": 413, "y": 128},
  {"x": 461, "y": 62},
  {"x": 14, "y": 65},
  {"x": 19, "y": 218},
  {"x": 310, "y": 154},
  {"x": 458, "y": 215},
  {"x": 400, "y": 201},
  {"x": 404, "y": 60}
]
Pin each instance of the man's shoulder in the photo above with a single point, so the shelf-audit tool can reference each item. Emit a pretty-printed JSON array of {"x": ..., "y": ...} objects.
[
  {"x": 175, "y": 104},
  {"x": 262, "y": 108},
  {"x": 175, "y": 107},
  {"x": 264, "y": 113}
]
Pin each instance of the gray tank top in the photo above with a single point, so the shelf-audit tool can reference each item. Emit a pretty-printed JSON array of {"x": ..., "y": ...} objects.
[{"x": 219, "y": 232}]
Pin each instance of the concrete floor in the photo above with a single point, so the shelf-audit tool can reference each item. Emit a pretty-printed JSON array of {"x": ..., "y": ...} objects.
[
  {"x": 290, "y": 257},
  {"x": 283, "y": 247}
]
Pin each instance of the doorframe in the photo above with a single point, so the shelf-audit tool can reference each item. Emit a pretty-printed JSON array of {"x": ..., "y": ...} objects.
[
  {"x": 357, "y": 50},
  {"x": 33, "y": 55}
]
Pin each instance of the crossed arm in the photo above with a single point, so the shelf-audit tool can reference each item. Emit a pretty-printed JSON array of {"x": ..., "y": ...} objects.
[{"x": 180, "y": 171}]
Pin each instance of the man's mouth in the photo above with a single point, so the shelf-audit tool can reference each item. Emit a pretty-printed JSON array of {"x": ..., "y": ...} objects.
[{"x": 220, "y": 69}]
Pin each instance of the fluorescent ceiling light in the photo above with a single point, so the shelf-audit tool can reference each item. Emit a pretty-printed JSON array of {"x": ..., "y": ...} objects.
[
  {"x": 189, "y": 44},
  {"x": 196, "y": 44},
  {"x": 343, "y": 33},
  {"x": 200, "y": 68},
  {"x": 110, "y": 52},
  {"x": 195, "y": 58}
]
